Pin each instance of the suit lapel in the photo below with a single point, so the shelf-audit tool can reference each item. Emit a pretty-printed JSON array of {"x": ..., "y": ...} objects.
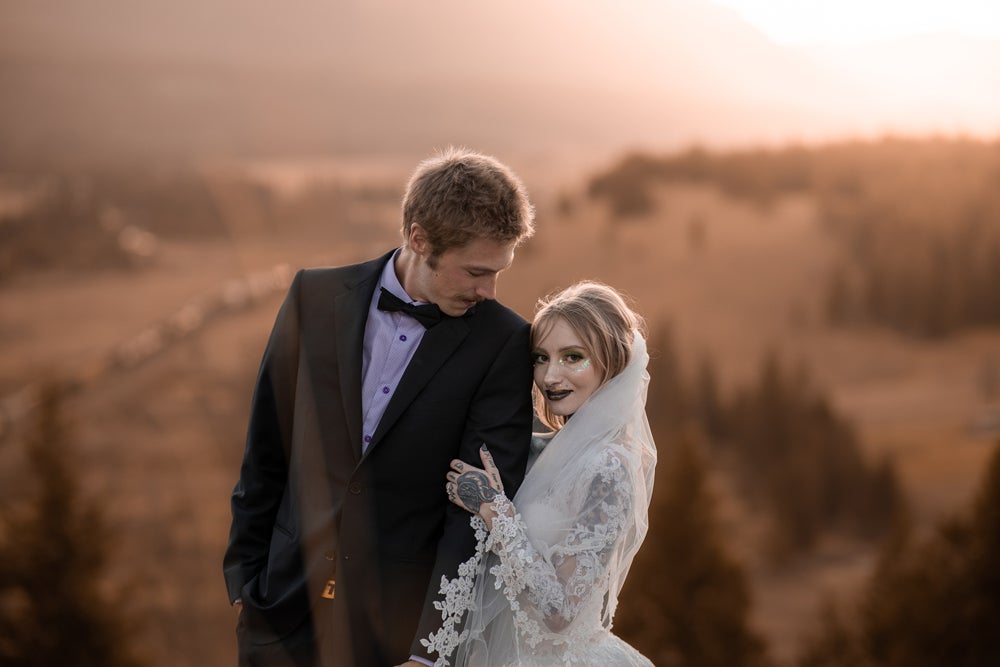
[
  {"x": 351, "y": 314},
  {"x": 438, "y": 344}
]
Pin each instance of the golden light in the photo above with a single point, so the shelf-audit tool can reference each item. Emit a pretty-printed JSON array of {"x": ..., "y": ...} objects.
[{"x": 851, "y": 22}]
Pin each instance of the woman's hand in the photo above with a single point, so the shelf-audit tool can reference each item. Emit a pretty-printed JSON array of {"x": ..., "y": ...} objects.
[{"x": 474, "y": 489}]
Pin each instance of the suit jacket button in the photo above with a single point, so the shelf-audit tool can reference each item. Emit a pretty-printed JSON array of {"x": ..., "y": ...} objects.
[
  {"x": 354, "y": 488},
  {"x": 330, "y": 555}
]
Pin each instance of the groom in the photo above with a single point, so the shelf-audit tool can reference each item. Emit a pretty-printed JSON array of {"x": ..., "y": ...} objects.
[{"x": 375, "y": 377}]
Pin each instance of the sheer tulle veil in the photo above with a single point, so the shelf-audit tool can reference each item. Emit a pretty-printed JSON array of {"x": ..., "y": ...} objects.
[{"x": 554, "y": 500}]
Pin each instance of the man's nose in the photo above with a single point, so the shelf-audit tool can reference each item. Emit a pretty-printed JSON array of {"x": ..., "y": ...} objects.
[{"x": 487, "y": 289}]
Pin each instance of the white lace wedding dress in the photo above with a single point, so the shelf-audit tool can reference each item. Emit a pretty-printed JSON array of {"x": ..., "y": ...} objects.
[{"x": 543, "y": 585}]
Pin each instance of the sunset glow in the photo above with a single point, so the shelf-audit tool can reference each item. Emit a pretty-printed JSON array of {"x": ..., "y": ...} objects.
[{"x": 849, "y": 22}]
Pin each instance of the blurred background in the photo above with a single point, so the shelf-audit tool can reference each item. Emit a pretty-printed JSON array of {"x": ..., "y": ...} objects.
[{"x": 802, "y": 197}]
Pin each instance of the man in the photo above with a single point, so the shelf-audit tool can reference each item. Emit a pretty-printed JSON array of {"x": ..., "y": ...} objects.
[{"x": 375, "y": 377}]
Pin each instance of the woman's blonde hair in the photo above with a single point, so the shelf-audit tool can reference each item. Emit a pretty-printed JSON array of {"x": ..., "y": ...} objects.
[{"x": 603, "y": 320}]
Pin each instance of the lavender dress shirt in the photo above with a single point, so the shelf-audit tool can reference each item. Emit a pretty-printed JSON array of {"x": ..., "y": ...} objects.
[{"x": 390, "y": 341}]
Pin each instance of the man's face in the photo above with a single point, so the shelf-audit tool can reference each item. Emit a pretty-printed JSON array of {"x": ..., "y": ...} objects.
[{"x": 461, "y": 277}]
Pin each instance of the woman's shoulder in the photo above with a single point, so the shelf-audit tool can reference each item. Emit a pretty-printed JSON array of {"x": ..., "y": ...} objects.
[
  {"x": 615, "y": 450},
  {"x": 616, "y": 460},
  {"x": 608, "y": 460}
]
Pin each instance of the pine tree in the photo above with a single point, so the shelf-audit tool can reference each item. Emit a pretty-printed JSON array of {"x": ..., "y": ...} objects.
[
  {"x": 53, "y": 610},
  {"x": 932, "y": 603},
  {"x": 686, "y": 602},
  {"x": 708, "y": 404},
  {"x": 803, "y": 462},
  {"x": 667, "y": 403}
]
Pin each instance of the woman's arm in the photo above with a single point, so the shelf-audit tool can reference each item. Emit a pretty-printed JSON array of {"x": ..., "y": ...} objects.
[{"x": 558, "y": 581}]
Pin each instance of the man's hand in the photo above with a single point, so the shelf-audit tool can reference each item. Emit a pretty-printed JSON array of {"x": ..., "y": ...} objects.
[{"x": 474, "y": 489}]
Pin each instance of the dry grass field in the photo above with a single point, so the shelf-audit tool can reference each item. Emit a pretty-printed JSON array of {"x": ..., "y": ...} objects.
[{"x": 159, "y": 441}]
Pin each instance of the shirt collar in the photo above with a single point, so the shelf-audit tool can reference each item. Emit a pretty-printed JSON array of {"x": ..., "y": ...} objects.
[{"x": 389, "y": 281}]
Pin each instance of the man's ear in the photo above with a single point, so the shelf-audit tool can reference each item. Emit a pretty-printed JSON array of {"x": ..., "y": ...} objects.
[{"x": 418, "y": 241}]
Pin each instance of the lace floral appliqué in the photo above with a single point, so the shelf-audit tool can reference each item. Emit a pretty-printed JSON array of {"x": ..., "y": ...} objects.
[
  {"x": 547, "y": 590},
  {"x": 458, "y": 596}
]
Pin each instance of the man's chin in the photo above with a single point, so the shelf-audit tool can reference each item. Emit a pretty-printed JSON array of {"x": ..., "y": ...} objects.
[{"x": 457, "y": 308}]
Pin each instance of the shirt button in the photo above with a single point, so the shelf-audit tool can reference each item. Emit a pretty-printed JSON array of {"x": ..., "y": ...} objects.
[
  {"x": 385, "y": 390},
  {"x": 355, "y": 489},
  {"x": 402, "y": 337},
  {"x": 330, "y": 555},
  {"x": 368, "y": 438}
]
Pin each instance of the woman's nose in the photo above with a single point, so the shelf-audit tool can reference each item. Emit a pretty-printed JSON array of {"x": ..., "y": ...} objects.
[{"x": 553, "y": 373}]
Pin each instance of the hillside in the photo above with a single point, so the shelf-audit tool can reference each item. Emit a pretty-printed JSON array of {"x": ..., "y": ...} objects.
[{"x": 163, "y": 391}]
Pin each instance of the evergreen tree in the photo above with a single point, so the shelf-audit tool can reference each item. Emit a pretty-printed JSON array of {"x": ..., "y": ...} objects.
[
  {"x": 53, "y": 609},
  {"x": 803, "y": 462},
  {"x": 709, "y": 407},
  {"x": 667, "y": 403},
  {"x": 928, "y": 604},
  {"x": 686, "y": 602},
  {"x": 835, "y": 644}
]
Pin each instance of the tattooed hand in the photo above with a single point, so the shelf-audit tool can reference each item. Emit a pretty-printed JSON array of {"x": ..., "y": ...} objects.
[{"x": 474, "y": 489}]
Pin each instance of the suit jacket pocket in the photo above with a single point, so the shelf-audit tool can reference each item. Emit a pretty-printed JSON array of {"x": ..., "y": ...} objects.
[{"x": 276, "y": 600}]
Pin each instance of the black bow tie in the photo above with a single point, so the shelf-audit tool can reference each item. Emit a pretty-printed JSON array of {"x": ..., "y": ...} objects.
[{"x": 428, "y": 314}]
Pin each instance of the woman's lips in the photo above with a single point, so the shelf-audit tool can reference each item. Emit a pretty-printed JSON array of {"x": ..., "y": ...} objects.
[{"x": 557, "y": 395}]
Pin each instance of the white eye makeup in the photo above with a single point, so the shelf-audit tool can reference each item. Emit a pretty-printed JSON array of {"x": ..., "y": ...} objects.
[{"x": 574, "y": 362}]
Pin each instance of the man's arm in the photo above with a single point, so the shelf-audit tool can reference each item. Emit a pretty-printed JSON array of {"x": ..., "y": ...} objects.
[
  {"x": 264, "y": 472},
  {"x": 500, "y": 416}
]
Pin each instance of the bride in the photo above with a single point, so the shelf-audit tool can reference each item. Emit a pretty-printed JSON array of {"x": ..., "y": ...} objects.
[{"x": 543, "y": 585}]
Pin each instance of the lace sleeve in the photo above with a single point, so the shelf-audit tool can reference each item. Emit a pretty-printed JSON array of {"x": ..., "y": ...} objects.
[
  {"x": 547, "y": 586},
  {"x": 557, "y": 585}
]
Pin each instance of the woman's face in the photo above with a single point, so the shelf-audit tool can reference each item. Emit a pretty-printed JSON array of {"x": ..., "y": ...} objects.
[{"x": 565, "y": 372}]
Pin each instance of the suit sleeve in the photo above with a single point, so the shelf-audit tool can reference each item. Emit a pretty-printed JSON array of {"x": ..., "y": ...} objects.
[
  {"x": 264, "y": 471},
  {"x": 500, "y": 415}
]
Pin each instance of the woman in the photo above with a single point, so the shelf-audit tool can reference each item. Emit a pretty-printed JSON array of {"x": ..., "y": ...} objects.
[{"x": 543, "y": 585}]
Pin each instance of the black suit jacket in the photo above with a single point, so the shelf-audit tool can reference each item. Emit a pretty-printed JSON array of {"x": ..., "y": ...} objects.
[{"x": 309, "y": 506}]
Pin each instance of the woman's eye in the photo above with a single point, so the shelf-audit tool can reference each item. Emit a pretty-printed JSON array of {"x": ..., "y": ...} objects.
[
  {"x": 537, "y": 359},
  {"x": 573, "y": 357}
]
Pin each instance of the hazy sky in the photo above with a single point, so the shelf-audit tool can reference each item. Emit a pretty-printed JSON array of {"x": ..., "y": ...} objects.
[
  {"x": 207, "y": 78},
  {"x": 848, "y": 22}
]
